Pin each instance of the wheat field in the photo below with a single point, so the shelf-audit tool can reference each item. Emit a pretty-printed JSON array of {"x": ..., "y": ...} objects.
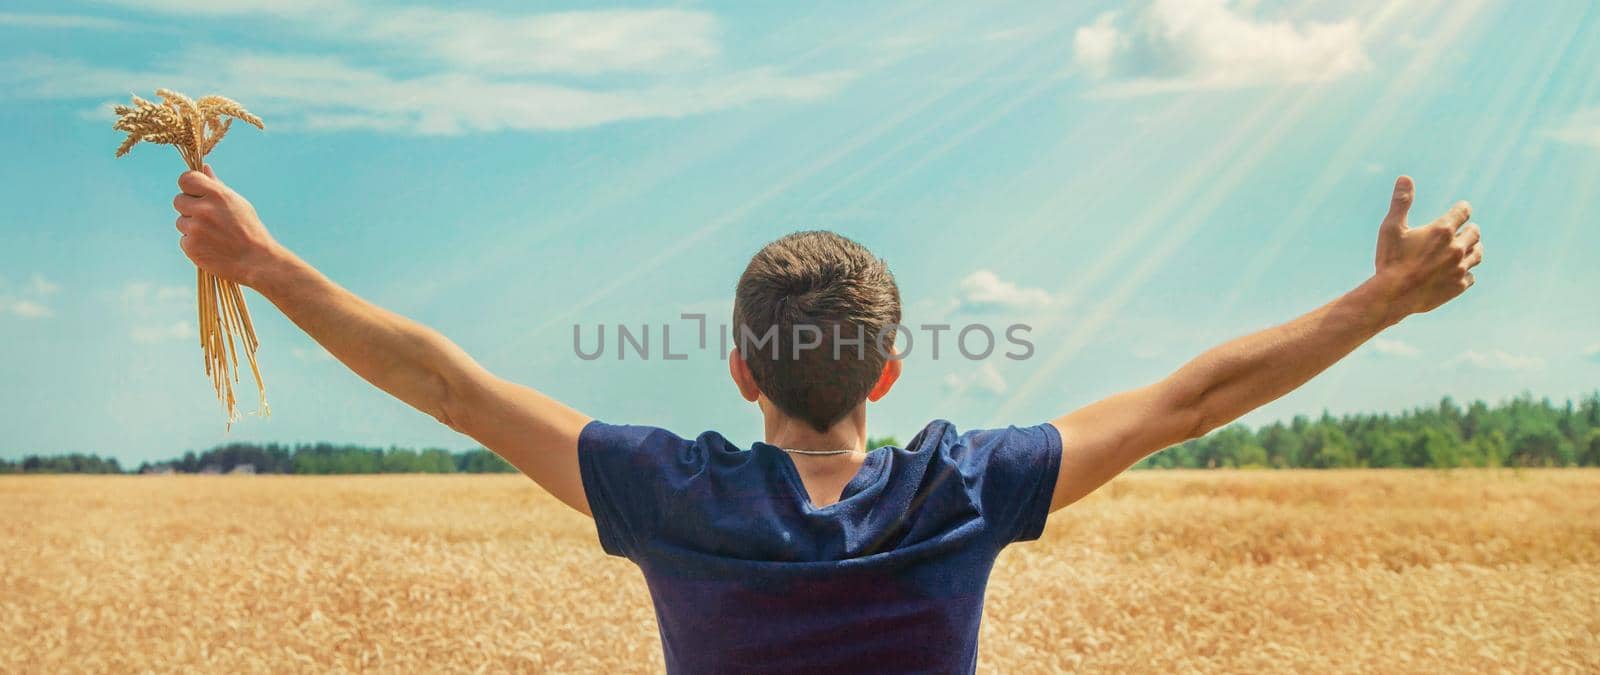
[{"x": 1339, "y": 571}]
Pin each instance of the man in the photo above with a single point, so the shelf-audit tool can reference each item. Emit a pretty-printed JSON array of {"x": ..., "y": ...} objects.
[{"x": 805, "y": 552}]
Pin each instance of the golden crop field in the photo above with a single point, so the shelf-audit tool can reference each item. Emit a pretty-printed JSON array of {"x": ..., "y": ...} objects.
[{"x": 1339, "y": 571}]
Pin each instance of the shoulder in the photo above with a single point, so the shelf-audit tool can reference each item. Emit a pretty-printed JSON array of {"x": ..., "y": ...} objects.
[
  {"x": 600, "y": 435},
  {"x": 635, "y": 444},
  {"x": 941, "y": 436}
]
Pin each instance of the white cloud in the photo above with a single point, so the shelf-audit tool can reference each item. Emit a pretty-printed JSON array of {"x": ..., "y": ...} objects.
[
  {"x": 317, "y": 353},
  {"x": 1581, "y": 128},
  {"x": 984, "y": 381},
  {"x": 138, "y": 295},
  {"x": 1095, "y": 46},
  {"x": 28, "y": 309},
  {"x": 563, "y": 42},
  {"x": 442, "y": 72},
  {"x": 39, "y": 285},
  {"x": 984, "y": 290},
  {"x": 324, "y": 93},
  {"x": 177, "y": 330},
  {"x": 1593, "y": 352},
  {"x": 1396, "y": 348},
  {"x": 237, "y": 7},
  {"x": 1496, "y": 359},
  {"x": 28, "y": 300},
  {"x": 16, "y": 20},
  {"x": 570, "y": 42},
  {"x": 157, "y": 313},
  {"x": 1180, "y": 45}
]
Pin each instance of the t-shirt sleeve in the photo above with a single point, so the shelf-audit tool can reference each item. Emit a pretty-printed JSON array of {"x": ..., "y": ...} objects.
[
  {"x": 1016, "y": 468},
  {"x": 625, "y": 470}
]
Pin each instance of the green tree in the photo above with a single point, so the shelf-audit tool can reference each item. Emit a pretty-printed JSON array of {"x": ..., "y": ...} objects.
[{"x": 880, "y": 441}]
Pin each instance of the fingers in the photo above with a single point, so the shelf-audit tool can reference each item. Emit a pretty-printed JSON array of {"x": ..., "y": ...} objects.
[
  {"x": 186, "y": 225},
  {"x": 187, "y": 204},
  {"x": 197, "y": 184},
  {"x": 1468, "y": 236},
  {"x": 1457, "y": 216},
  {"x": 1405, "y": 191},
  {"x": 1473, "y": 257},
  {"x": 208, "y": 171}
]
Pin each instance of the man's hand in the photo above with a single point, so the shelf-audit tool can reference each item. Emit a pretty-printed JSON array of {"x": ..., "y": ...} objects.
[
  {"x": 1428, "y": 265},
  {"x": 221, "y": 232},
  {"x": 1418, "y": 270}
]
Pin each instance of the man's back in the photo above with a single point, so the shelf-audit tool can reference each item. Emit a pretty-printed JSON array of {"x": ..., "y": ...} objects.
[{"x": 746, "y": 573}]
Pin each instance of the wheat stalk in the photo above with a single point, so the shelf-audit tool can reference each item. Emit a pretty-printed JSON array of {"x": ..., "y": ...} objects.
[{"x": 194, "y": 128}]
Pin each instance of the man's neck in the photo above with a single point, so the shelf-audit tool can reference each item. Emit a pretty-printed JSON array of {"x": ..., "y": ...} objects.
[{"x": 784, "y": 431}]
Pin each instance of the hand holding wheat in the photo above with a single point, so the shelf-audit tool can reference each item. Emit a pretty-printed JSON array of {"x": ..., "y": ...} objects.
[{"x": 194, "y": 128}]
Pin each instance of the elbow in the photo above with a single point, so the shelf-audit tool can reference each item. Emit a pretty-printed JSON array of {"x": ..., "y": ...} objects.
[
  {"x": 449, "y": 405},
  {"x": 1193, "y": 413},
  {"x": 1197, "y": 422},
  {"x": 445, "y": 417}
]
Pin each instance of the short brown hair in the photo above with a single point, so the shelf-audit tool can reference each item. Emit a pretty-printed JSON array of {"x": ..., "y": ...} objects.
[{"x": 828, "y": 283}]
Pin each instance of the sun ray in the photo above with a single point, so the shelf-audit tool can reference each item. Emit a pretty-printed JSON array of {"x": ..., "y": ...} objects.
[
  {"x": 834, "y": 156},
  {"x": 1508, "y": 98},
  {"x": 1511, "y": 96},
  {"x": 996, "y": 86},
  {"x": 1381, "y": 113},
  {"x": 639, "y": 178},
  {"x": 1175, "y": 234}
]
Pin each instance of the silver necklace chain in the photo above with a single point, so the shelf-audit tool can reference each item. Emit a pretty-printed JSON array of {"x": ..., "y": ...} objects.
[{"x": 818, "y": 452}]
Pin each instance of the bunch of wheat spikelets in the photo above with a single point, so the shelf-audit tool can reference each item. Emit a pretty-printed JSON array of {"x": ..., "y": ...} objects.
[{"x": 194, "y": 127}]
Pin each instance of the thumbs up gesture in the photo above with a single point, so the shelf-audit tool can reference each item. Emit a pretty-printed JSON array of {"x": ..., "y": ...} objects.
[{"x": 1431, "y": 264}]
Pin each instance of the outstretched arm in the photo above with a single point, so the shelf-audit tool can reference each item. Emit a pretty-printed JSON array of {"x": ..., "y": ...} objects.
[
  {"x": 1418, "y": 269},
  {"x": 410, "y": 361}
]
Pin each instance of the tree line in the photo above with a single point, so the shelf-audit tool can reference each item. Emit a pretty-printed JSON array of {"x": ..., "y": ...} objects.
[
  {"x": 1521, "y": 432},
  {"x": 275, "y": 458}
]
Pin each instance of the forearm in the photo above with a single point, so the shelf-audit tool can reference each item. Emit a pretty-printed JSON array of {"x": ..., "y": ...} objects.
[
  {"x": 1232, "y": 379},
  {"x": 402, "y": 357}
]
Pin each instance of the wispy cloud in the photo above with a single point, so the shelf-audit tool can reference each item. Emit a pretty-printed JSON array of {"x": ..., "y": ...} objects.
[
  {"x": 138, "y": 294},
  {"x": 28, "y": 300},
  {"x": 1179, "y": 45},
  {"x": 1581, "y": 128},
  {"x": 177, "y": 330},
  {"x": 984, "y": 290},
  {"x": 985, "y": 380},
  {"x": 564, "y": 42},
  {"x": 442, "y": 72},
  {"x": 60, "y": 21},
  {"x": 1593, "y": 352},
  {"x": 1497, "y": 359},
  {"x": 311, "y": 354},
  {"x": 1395, "y": 348},
  {"x": 572, "y": 42},
  {"x": 40, "y": 286},
  {"x": 27, "y": 309},
  {"x": 237, "y": 7},
  {"x": 157, "y": 313}
]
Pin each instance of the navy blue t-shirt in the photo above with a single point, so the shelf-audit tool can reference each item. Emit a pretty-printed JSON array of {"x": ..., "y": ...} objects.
[{"x": 746, "y": 575}]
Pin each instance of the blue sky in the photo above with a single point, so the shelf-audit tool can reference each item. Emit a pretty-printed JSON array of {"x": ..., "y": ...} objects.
[{"x": 1135, "y": 181}]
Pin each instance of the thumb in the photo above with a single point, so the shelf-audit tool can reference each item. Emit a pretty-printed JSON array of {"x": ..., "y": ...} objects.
[{"x": 1405, "y": 191}]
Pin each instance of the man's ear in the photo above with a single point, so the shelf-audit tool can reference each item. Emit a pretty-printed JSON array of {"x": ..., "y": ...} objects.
[
  {"x": 886, "y": 380},
  {"x": 740, "y": 371}
]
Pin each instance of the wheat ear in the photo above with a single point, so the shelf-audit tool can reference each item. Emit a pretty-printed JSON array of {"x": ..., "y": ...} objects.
[{"x": 194, "y": 128}]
